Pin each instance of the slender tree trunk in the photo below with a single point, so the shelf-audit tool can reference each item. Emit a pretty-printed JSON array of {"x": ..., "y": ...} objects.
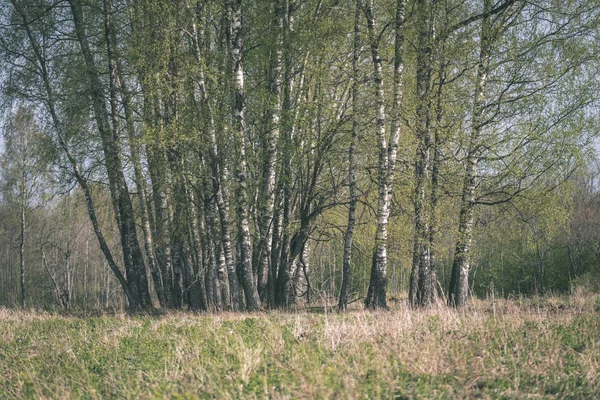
[
  {"x": 435, "y": 172},
  {"x": 22, "y": 195},
  {"x": 396, "y": 126},
  {"x": 223, "y": 282},
  {"x": 197, "y": 290},
  {"x": 204, "y": 239},
  {"x": 376, "y": 296},
  {"x": 179, "y": 234},
  {"x": 251, "y": 294},
  {"x": 235, "y": 292},
  {"x": 303, "y": 270},
  {"x": 162, "y": 227},
  {"x": 352, "y": 167},
  {"x": 421, "y": 285},
  {"x": 282, "y": 288},
  {"x": 434, "y": 199},
  {"x": 283, "y": 291},
  {"x": 213, "y": 290},
  {"x": 459, "y": 281},
  {"x": 275, "y": 255},
  {"x": 266, "y": 199}
]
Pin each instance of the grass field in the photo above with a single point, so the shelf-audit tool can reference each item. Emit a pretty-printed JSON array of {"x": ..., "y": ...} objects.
[{"x": 542, "y": 348}]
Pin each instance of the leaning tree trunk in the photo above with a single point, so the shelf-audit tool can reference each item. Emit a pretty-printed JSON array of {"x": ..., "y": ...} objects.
[
  {"x": 132, "y": 255},
  {"x": 79, "y": 176},
  {"x": 117, "y": 82},
  {"x": 459, "y": 281}
]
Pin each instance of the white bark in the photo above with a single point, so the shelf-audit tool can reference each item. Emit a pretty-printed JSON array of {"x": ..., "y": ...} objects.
[
  {"x": 460, "y": 269},
  {"x": 251, "y": 294},
  {"x": 376, "y": 297}
]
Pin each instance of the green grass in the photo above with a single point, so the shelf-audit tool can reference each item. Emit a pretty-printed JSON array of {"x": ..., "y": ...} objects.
[{"x": 537, "y": 349}]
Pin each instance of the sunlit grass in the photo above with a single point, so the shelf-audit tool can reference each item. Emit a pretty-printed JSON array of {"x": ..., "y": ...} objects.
[{"x": 545, "y": 348}]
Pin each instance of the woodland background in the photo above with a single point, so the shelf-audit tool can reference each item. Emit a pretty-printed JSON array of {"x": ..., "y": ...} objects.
[{"x": 211, "y": 155}]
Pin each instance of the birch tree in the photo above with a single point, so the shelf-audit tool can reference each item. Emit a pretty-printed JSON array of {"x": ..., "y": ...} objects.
[
  {"x": 388, "y": 148},
  {"x": 458, "y": 292},
  {"x": 352, "y": 165},
  {"x": 251, "y": 294}
]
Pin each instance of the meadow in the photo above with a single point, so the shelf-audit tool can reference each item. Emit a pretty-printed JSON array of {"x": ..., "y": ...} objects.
[{"x": 524, "y": 348}]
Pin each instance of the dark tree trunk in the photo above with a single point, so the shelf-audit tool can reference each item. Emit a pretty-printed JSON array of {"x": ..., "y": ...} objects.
[
  {"x": 421, "y": 280},
  {"x": 81, "y": 179},
  {"x": 22, "y": 195},
  {"x": 266, "y": 198},
  {"x": 352, "y": 167},
  {"x": 132, "y": 255}
]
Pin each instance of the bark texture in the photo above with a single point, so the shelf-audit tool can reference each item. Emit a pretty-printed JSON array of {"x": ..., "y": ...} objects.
[
  {"x": 352, "y": 167},
  {"x": 247, "y": 278},
  {"x": 132, "y": 255},
  {"x": 388, "y": 149},
  {"x": 421, "y": 280},
  {"x": 459, "y": 280}
]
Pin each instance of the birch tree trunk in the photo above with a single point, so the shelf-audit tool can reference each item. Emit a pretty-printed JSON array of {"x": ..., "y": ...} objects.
[
  {"x": 157, "y": 169},
  {"x": 22, "y": 205},
  {"x": 459, "y": 280},
  {"x": 50, "y": 103},
  {"x": 221, "y": 195},
  {"x": 213, "y": 290},
  {"x": 283, "y": 295},
  {"x": 132, "y": 255},
  {"x": 118, "y": 83},
  {"x": 197, "y": 289},
  {"x": 376, "y": 296},
  {"x": 251, "y": 294},
  {"x": 421, "y": 285},
  {"x": 275, "y": 256},
  {"x": 266, "y": 199},
  {"x": 435, "y": 173},
  {"x": 352, "y": 167},
  {"x": 237, "y": 302},
  {"x": 396, "y": 126}
]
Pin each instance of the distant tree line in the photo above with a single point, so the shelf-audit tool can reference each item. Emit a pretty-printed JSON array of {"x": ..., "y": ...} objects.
[{"x": 239, "y": 155}]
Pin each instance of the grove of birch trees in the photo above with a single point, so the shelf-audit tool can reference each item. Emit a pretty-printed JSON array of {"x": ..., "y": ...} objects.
[{"x": 258, "y": 154}]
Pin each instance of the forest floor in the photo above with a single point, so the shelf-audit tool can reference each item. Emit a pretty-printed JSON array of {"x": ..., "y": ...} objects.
[{"x": 533, "y": 348}]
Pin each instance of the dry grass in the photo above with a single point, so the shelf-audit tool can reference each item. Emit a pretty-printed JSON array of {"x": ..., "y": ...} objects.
[{"x": 538, "y": 348}]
